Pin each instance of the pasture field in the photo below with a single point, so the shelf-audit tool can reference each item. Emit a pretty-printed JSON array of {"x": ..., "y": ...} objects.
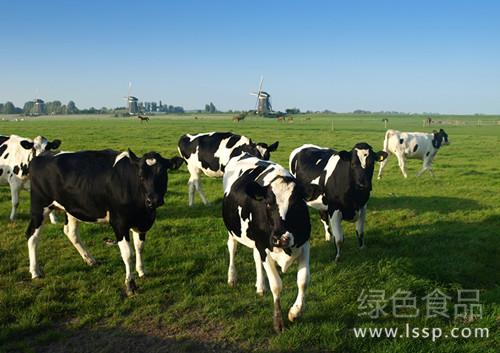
[{"x": 422, "y": 234}]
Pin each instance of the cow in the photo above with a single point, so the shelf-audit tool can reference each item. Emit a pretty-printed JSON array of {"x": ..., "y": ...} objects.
[
  {"x": 264, "y": 209},
  {"x": 143, "y": 118},
  {"x": 413, "y": 145},
  {"x": 16, "y": 154},
  {"x": 344, "y": 179},
  {"x": 210, "y": 152},
  {"x": 100, "y": 187}
]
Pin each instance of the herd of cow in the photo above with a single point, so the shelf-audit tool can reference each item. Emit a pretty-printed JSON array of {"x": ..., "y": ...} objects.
[{"x": 264, "y": 205}]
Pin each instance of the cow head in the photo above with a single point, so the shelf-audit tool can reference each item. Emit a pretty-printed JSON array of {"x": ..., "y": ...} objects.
[
  {"x": 362, "y": 160},
  {"x": 40, "y": 144},
  {"x": 440, "y": 138},
  {"x": 283, "y": 201},
  {"x": 261, "y": 150},
  {"x": 152, "y": 171}
]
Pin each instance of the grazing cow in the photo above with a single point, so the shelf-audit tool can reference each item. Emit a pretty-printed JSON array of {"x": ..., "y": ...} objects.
[
  {"x": 413, "y": 145},
  {"x": 210, "y": 152},
  {"x": 99, "y": 186},
  {"x": 16, "y": 154},
  {"x": 344, "y": 179},
  {"x": 264, "y": 209}
]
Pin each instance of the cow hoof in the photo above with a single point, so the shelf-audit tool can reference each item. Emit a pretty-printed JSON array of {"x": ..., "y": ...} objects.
[
  {"x": 141, "y": 274},
  {"x": 260, "y": 292},
  {"x": 130, "y": 288},
  {"x": 90, "y": 261},
  {"x": 294, "y": 314},
  {"x": 231, "y": 282},
  {"x": 379, "y": 177},
  {"x": 337, "y": 259},
  {"x": 278, "y": 324}
]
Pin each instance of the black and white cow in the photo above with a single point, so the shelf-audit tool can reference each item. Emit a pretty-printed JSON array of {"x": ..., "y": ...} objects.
[
  {"x": 264, "y": 209},
  {"x": 413, "y": 145},
  {"x": 210, "y": 152},
  {"x": 344, "y": 179},
  {"x": 99, "y": 186},
  {"x": 16, "y": 154}
]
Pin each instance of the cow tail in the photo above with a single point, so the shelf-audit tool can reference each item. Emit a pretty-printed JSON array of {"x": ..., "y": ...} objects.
[{"x": 386, "y": 140}]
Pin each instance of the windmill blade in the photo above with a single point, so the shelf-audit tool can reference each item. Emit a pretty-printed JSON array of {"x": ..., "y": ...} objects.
[
  {"x": 129, "y": 88},
  {"x": 258, "y": 92}
]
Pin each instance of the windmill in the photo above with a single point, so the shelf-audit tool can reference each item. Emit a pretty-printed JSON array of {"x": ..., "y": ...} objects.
[
  {"x": 263, "y": 104},
  {"x": 131, "y": 102}
]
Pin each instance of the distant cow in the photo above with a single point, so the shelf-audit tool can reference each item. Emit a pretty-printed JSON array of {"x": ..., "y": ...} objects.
[
  {"x": 99, "y": 186},
  {"x": 345, "y": 181},
  {"x": 210, "y": 152},
  {"x": 264, "y": 209},
  {"x": 16, "y": 154},
  {"x": 413, "y": 145},
  {"x": 143, "y": 118}
]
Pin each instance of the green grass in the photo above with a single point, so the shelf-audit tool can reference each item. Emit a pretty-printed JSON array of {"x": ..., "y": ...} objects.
[{"x": 421, "y": 234}]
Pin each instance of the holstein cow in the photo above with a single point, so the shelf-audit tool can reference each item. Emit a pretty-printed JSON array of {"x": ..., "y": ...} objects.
[
  {"x": 413, "y": 145},
  {"x": 99, "y": 186},
  {"x": 264, "y": 209},
  {"x": 344, "y": 179},
  {"x": 210, "y": 152},
  {"x": 16, "y": 154}
]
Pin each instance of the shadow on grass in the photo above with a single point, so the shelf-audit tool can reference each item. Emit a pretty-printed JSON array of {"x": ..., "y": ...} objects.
[
  {"x": 420, "y": 204},
  {"x": 117, "y": 339},
  {"x": 446, "y": 252}
]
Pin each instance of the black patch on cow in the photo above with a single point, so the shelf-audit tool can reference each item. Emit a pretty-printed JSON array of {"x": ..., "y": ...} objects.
[
  {"x": 1, "y": 171},
  {"x": 427, "y": 154},
  {"x": 232, "y": 141},
  {"x": 2, "y": 149},
  {"x": 415, "y": 148},
  {"x": 6, "y": 156},
  {"x": 16, "y": 169},
  {"x": 24, "y": 169},
  {"x": 3, "y": 139},
  {"x": 401, "y": 141}
]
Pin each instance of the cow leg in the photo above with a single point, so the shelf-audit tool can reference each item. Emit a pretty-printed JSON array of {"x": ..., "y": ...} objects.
[
  {"x": 303, "y": 276},
  {"x": 231, "y": 272},
  {"x": 194, "y": 184},
  {"x": 276, "y": 285},
  {"x": 72, "y": 231},
  {"x": 326, "y": 224},
  {"x": 32, "y": 234},
  {"x": 382, "y": 167},
  {"x": 139, "y": 239},
  {"x": 401, "y": 162},
  {"x": 426, "y": 166},
  {"x": 260, "y": 284},
  {"x": 15, "y": 186},
  {"x": 126, "y": 252},
  {"x": 197, "y": 184},
  {"x": 338, "y": 233},
  {"x": 53, "y": 217},
  {"x": 360, "y": 227}
]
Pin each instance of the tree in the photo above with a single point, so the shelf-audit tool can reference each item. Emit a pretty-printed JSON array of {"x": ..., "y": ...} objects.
[
  {"x": 28, "y": 107},
  {"x": 71, "y": 108},
  {"x": 9, "y": 108}
]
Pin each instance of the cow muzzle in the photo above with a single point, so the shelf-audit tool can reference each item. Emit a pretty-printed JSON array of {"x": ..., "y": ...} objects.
[
  {"x": 153, "y": 203},
  {"x": 283, "y": 241}
]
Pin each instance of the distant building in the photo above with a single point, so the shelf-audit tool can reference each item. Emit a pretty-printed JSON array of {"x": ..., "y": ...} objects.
[
  {"x": 39, "y": 107},
  {"x": 132, "y": 105}
]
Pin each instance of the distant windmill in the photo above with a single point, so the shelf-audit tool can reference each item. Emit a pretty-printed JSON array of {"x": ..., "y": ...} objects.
[
  {"x": 131, "y": 102},
  {"x": 38, "y": 106},
  {"x": 263, "y": 104}
]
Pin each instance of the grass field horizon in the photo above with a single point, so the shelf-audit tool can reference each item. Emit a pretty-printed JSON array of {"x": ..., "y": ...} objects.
[{"x": 422, "y": 234}]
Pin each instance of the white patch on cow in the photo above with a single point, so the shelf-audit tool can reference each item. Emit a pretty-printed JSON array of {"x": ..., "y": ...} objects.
[
  {"x": 121, "y": 156},
  {"x": 330, "y": 166},
  {"x": 151, "y": 161},
  {"x": 245, "y": 223},
  {"x": 316, "y": 181},
  {"x": 318, "y": 161},
  {"x": 362, "y": 155},
  {"x": 58, "y": 205},
  {"x": 224, "y": 152},
  {"x": 193, "y": 137},
  {"x": 105, "y": 219},
  {"x": 282, "y": 191},
  {"x": 262, "y": 150},
  {"x": 318, "y": 203},
  {"x": 282, "y": 258}
]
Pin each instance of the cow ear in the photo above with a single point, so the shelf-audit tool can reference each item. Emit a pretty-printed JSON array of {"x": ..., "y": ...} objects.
[
  {"x": 344, "y": 155},
  {"x": 273, "y": 147},
  {"x": 53, "y": 145},
  {"x": 434, "y": 131},
  {"x": 132, "y": 156},
  {"x": 311, "y": 192},
  {"x": 173, "y": 163},
  {"x": 26, "y": 144},
  {"x": 255, "y": 191},
  {"x": 381, "y": 156}
]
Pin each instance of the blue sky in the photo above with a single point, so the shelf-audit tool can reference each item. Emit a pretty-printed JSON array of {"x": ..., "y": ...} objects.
[{"x": 412, "y": 56}]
